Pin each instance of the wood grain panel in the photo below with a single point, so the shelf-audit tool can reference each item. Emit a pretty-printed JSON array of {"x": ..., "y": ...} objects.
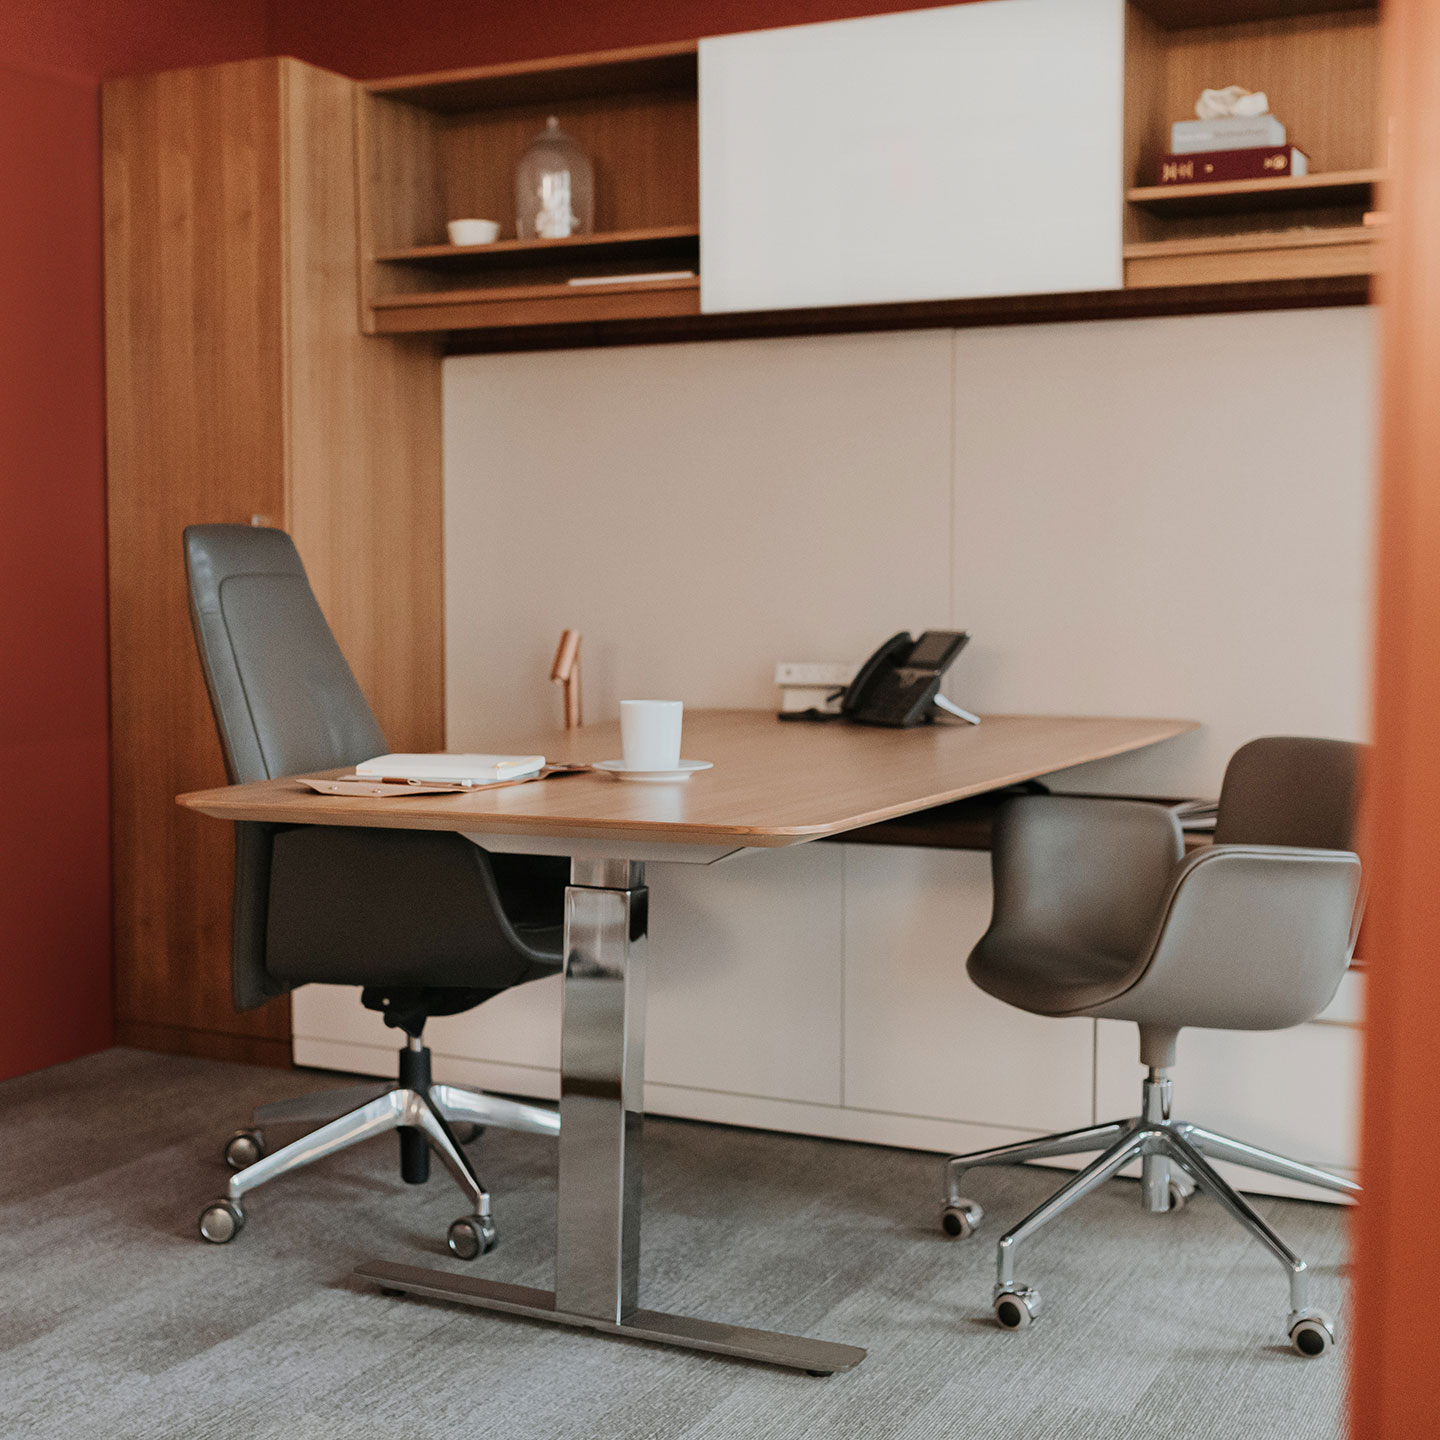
[
  {"x": 539, "y": 306},
  {"x": 363, "y": 493},
  {"x": 211, "y": 1044},
  {"x": 402, "y": 189},
  {"x": 566, "y": 77},
  {"x": 772, "y": 784},
  {"x": 645, "y": 150},
  {"x": 240, "y": 384},
  {"x": 193, "y": 300},
  {"x": 1180, "y": 13},
  {"x": 1207, "y": 262},
  {"x": 1321, "y": 72},
  {"x": 1146, "y": 127}
]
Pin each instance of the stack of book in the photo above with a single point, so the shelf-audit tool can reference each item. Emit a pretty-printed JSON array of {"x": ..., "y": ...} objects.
[{"x": 1230, "y": 147}]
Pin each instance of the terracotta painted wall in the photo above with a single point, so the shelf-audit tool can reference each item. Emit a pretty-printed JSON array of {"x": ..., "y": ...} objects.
[
  {"x": 55, "y": 954},
  {"x": 55, "y": 947},
  {"x": 368, "y": 38}
]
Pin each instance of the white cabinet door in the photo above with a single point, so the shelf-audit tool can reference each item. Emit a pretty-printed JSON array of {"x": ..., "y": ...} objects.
[
  {"x": 963, "y": 151},
  {"x": 744, "y": 987},
  {"x": 920, "y": 1038}
]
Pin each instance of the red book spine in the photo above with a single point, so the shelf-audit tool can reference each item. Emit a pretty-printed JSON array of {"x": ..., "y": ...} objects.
[{"x": 1258, "y": 164}]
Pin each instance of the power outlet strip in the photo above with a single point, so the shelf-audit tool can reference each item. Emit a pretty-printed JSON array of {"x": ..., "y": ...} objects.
[{"x": 815, "y": 673}]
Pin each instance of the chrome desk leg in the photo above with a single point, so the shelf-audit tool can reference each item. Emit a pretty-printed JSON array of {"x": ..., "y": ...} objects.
[
  {"x": 602, "y": 1079},
  {"x": 602, "y": 1072}
]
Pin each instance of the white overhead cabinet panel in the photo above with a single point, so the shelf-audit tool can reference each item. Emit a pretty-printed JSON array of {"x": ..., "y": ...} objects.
[{"x": 937, "y": 154}]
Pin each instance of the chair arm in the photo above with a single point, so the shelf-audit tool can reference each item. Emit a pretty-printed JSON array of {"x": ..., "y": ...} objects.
[
  {"x": 1249, "y": 937},
  {"x": 1081, "y": 871}
]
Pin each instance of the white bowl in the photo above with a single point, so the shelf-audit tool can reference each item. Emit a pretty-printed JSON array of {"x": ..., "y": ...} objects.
[{"x": 473, "y": 232}]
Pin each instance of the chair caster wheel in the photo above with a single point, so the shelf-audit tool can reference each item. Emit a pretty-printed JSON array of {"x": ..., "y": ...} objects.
[
  {"x": 467, "y": 1132},
  {"x": 244, "y": 1148},
  {"x": 1182, "y": 1187},
  {"x": 959, "y": 1221},
  {"x": 1016, "y": 1308},
  {"x": 221, "y": 1222},
  {"x": 471, "y": 1236},
  {"x": 1312, "y": 1333}
]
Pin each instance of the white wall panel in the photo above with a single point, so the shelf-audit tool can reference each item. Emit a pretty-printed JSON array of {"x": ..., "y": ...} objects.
[
  {"x": 745, "y": 990},
  {"x": 960, "y": 151},
  {"x": 1147, "y": 517},
  {"x": 920, "y": 1038},
  {"x": 1168, "y": 517},
  {"x": 698, "y": 511}
]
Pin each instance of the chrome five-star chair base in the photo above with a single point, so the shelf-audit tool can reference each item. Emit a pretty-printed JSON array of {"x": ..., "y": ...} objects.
[
  {"x": 424, "y": 1114},
  {"x": 1175, "y": 1159}
]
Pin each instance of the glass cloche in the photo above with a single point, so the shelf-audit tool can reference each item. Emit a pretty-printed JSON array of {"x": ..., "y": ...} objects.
[{"x": 554, "y": 188}]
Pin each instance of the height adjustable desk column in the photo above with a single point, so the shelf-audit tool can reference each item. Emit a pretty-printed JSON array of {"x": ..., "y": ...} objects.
[{"x": 773, "y": 785}]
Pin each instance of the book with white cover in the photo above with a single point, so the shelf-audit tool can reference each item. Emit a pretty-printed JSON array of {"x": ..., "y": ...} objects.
[{"x": 450, "y": 769}]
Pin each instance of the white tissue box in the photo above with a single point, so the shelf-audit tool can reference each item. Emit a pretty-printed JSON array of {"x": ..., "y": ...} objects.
[{"x": 1227, "y": 132}]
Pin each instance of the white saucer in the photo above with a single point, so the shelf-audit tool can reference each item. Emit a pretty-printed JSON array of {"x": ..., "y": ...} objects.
[{"x": 686, "y": 769}]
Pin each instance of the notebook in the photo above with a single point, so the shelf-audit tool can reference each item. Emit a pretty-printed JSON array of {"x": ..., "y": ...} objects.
[{"x": 449, "y": 769}]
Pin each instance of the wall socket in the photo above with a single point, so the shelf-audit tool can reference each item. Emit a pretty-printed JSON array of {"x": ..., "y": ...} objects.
[{"x": 818, "y": 673}]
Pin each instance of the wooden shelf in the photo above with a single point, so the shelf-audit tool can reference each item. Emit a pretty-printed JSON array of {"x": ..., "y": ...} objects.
[
  {"x": 555, "y": 81},
  {"x": 1287, "y": 192},
  {"x": 1261, "y": 255},
  {"x": 683, "y": 240},
  {"x": 518, "y": 305},
  {"x": 1193, "y": 14},
  {"x": 446, "y": 144}
]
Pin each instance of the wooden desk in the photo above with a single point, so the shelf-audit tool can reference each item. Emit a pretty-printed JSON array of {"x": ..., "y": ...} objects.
[{"x": 774, "y": 784}]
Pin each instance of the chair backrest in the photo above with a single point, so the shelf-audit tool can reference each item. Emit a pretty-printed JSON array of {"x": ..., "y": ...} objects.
[
  {"x": 285, "y": 701},
  {"x": 1290, "y": 790}
]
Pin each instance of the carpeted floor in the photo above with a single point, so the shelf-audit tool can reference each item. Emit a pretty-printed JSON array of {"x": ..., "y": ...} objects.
[{"x": 116, "y": 1321}]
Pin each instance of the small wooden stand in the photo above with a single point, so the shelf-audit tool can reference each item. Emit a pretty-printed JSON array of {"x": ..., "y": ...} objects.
[{"x": 565, "y": 672}]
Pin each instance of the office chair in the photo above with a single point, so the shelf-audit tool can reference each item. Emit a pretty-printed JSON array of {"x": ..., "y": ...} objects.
[
  {"x": 426, "y": 922},
  {"x": 1098, "y": 911}
]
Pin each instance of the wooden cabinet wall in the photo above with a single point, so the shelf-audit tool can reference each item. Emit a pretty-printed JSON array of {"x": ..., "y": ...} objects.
[{"x": 240, "y": 386}]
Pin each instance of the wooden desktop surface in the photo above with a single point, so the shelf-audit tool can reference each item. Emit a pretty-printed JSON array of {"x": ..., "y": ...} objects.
[{"x": 774, "y": 783}]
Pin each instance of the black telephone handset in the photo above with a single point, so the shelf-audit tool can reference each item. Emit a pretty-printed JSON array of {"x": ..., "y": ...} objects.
[{"x": 898, "y": 684}]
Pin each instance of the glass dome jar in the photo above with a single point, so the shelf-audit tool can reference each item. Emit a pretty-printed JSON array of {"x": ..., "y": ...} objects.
[{"x": 554, "y": 188}]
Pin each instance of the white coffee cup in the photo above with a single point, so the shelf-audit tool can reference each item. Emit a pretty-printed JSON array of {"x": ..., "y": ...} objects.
[
  {"x": 473, "y": 232},
  {"x": 650, "y": 733}
]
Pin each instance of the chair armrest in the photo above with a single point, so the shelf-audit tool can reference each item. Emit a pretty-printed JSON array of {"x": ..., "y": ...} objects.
[
  {"x": 1249, "y": 937},
  {"x": 1085, "y": 872}
]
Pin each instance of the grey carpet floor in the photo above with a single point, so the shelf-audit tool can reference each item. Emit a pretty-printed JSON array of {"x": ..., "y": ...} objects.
[{"x": 117, "y": 1321}]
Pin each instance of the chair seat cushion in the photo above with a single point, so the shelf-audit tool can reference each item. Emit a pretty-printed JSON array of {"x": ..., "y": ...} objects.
[{"x": 1049, "y": 977}]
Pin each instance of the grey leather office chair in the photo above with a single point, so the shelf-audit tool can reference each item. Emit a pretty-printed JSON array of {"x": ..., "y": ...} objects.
[
  {"x": 427, "y": 923},
  {"x": 1098, "y": 911}
]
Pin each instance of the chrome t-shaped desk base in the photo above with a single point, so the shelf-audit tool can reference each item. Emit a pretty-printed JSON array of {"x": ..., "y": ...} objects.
[{"x": 602, "y": 1076}]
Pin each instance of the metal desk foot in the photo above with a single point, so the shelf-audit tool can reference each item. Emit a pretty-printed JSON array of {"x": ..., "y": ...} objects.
[
  {"x": 794, "y": 1352},
  {"x": 602, "y": 1074}
]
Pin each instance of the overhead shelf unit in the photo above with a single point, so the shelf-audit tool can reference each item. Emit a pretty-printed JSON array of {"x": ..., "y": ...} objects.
[
  {"x": 445, "y": 146},
  {"x": 441, "y": 147},
  {"x": 1319, "y": 64}
]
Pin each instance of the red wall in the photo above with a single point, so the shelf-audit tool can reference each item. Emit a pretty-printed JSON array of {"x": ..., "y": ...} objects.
[
  {"x": 55, "y": 940},
  {"x": 369, "y": 38},
  {"x": 55, "y": 952}
]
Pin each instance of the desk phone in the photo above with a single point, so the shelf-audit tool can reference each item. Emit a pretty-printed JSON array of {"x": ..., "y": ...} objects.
[{"x": 899, "y": 684}]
